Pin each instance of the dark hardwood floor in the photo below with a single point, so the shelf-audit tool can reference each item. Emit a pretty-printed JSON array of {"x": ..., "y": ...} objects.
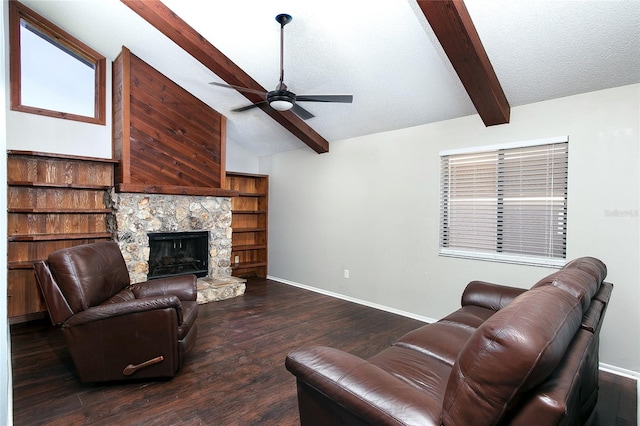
[{"x": 235, "y": 374}]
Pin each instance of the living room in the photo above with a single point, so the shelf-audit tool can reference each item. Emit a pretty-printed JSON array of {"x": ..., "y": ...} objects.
[{"x": 372, "y": 205}]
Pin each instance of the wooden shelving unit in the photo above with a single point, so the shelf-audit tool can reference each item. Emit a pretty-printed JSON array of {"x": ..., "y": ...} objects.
[
  {"x": 53, "y": 202},
  {"x": 249, "y": 255}
]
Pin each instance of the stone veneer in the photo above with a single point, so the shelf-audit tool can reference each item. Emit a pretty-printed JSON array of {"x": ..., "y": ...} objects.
[{"x": 138, "y": 214}]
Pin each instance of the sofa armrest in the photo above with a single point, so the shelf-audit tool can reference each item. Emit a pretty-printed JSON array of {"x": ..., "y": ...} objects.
[
  {"x": 101, "y": 312},
  {"x": 362, "y": 388},
  {"x": 490, "y": 296},
  {"x": 183, "y": 286}
]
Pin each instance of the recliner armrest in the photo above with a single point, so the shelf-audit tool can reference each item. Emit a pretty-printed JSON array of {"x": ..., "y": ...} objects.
[
  {"x": 183, "y": 286},
  {"x": 101, "y": 312},
  {"x": 488, "y": 295}
]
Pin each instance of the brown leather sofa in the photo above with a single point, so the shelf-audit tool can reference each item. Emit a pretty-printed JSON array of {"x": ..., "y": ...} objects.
[
  {"x": 507, "y": 356},
  {"x": 114, "y": 330}
]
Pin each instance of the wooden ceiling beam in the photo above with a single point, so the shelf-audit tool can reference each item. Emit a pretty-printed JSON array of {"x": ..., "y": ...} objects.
[
  {"x": 181, "y": 33},
  {"x": 454, "y": 28}
]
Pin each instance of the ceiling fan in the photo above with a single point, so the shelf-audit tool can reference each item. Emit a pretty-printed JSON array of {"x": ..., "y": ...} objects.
[{"x": 281, "y": 99}]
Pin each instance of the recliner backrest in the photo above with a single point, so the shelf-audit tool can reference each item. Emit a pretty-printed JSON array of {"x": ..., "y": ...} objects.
[{"x": 87, "y": 275}]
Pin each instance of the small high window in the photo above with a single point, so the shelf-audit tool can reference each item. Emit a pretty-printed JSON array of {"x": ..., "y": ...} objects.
[{"x": 53, "y": 73}]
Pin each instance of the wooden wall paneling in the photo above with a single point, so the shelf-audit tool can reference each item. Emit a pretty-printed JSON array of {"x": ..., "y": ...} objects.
[
  {"x": 177, "y": 124},
  {"x": 167, "y": 140}
]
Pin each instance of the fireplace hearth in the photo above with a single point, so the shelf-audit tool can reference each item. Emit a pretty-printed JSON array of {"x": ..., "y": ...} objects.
[{"x": 178, "y": 253}]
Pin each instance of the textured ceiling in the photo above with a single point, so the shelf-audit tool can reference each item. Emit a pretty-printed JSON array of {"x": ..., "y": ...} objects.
[{"x": 383, "y": 52}]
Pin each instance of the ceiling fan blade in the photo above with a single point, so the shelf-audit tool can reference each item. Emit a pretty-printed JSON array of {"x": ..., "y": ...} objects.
[
  {"x": 248, "y": 107},
  {"x": 242, "y": 89},
  {"x": 301, "y": 112},
  {"x": 347, "y": 99}
]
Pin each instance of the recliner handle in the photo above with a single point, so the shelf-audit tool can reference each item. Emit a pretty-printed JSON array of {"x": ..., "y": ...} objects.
[{"x": 130, "y": 369}]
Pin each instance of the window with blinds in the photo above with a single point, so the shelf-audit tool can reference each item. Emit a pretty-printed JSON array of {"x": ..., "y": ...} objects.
[{"x": 506, "y": 203}]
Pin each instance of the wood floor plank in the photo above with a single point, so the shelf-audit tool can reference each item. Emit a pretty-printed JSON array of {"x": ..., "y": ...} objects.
[{"x": 235, "y": 374}]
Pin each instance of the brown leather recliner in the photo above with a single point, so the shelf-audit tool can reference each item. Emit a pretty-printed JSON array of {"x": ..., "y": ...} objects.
[{"x": 114, "y": 330}]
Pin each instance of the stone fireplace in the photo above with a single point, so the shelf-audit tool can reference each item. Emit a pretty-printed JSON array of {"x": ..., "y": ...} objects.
[{"x": 138, "y": 215}]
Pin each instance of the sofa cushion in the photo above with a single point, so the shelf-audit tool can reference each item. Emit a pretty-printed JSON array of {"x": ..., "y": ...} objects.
[
  {"x": 488, "y": 295},
  {"x": 513, "y": 351},
  {"x": 440, "y": 340},
  {"x": 426, "y": 373},
  {"x": 469, "y": 316}
]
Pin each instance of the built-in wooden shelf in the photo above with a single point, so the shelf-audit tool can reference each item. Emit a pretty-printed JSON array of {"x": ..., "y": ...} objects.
[
  {"x": 175, "y": 190},
  {"x": 249, "y": 247},
  {"x": 55, "y": 210},
  {"x": 55, "y": 237},
  {"x": 247, "y": 265},
  {"x": 243, "y": 230},
  {"x": 54, "y": 155},
  {"x": 21, "y": 265},
  {"x": 54, "y": 201},
  {"x": 249, "y": 212},
  {"x": 250, "y": 194},
  {"x": 57, "y": 185}
]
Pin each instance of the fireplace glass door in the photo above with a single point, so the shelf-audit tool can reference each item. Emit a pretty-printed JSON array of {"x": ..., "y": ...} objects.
[{"x": 178, "y": 253}]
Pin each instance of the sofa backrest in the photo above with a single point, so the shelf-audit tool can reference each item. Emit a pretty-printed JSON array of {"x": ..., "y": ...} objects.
[
  {"x": 513, "y": 351},
  {"x": 581, "y": 278},
  {"x": 87, "y": 275}
]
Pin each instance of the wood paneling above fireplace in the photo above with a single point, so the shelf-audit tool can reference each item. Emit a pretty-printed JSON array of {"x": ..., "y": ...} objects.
[{"x": 167, "y": 141}]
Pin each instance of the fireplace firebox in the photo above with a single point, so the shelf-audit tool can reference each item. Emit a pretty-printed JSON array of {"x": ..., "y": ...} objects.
[{"x": 178, "y": 253}]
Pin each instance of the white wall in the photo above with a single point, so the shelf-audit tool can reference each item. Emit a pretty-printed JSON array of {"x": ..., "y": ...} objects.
[
  {"x": 240, "y": 159},
  {"x": 371, "y": 206},
  {"x": 46, "y": 134},
  {"x": 5, "y": 342}
]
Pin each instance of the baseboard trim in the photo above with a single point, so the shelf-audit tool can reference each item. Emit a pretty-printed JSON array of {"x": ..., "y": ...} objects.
[
  {"x": 354, "y": 300},
  {"x": 619, "y": 371}
]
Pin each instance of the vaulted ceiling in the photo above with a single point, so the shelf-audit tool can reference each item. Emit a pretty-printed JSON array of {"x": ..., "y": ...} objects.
[{"x": 406, "y": 62}]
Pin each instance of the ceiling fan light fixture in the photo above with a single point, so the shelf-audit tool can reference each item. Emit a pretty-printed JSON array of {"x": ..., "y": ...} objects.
[{"x": 281, "y": 105}]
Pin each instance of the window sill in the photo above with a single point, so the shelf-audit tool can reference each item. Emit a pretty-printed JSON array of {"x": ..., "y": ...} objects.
[{"x": 505, "y": 258}]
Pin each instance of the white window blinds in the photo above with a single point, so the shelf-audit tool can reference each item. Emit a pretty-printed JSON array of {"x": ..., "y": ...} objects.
[{"x": 506, "y": 204}]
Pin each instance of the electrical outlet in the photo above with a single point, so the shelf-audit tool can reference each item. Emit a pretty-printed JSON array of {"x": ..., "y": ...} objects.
[
  {"x": 237, "y": 259},
  {"x": 346, "y": 273}
]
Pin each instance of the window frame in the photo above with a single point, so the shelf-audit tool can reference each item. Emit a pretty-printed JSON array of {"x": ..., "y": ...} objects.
[
  {"x": 18, "y": 12},
  {"x": 496, "y": 255}
]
